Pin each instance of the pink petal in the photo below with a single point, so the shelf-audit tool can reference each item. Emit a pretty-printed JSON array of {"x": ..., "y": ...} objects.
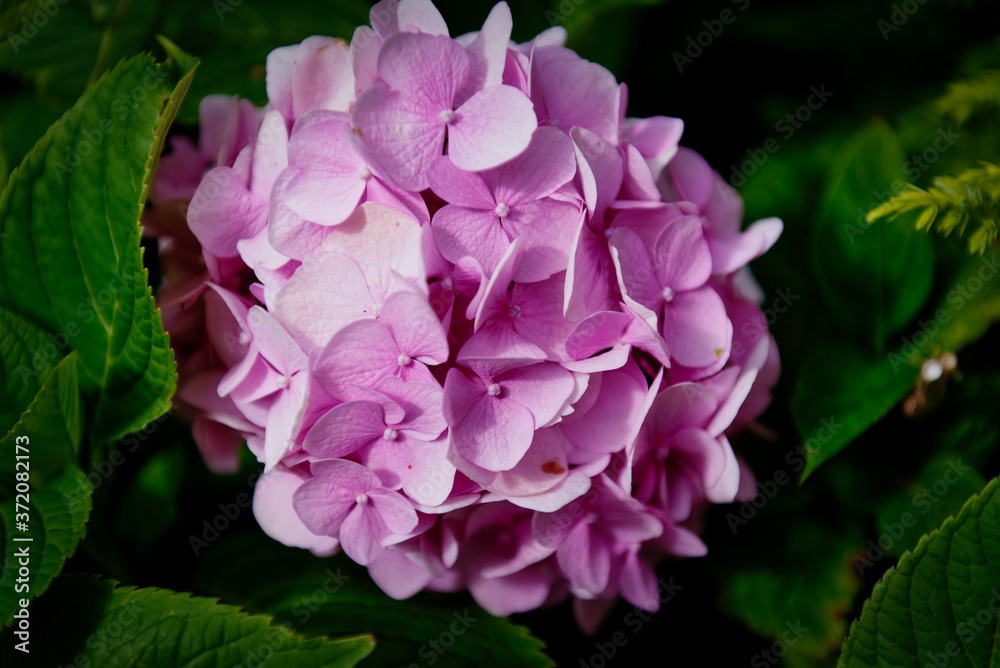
[
  {"x": 397, "y": 575},
  {"x": 543, "y": 466},
  {"x": 637, "y": 274},
  {"x": 385, "y": 243},
  {"x": 494, "y": 126},
  {"x": 682, "y": 257},
  {"x": 577, "y": 92},
  {"x": 270, "y": 153},
  {"x": 285, "y": 420},
  {"x": 585, "y": 559},
  {"x": 569, "y": 489},
  {"x": 415, "y": 327},
  {"x": 541, "y": 388},
  {"x": 403, "y": 137},
  {"x": 324, "y": 501},
  {"x": 547, "y": 164},
  {"x": 223, "y": 211},
  {"x": 461, "y": 232},
  {"x": 638, "y": 583},
  {"x": 725, "y": 488},
  {"x": 323, "y": 79},
  {"x": 362, "y": 352},
  {"x": 656, "y": 138},
  {"x": 362, "y": 533},
  {"x": 274, "y": 511},
  {"x": 591, "y": 283},
  {"x": 274, "y": 342},
  {"x": 733, "y": 252},
  {"x": 344, "y": 429},
  {"x": 518, "y": 592},
  {"x": 638, "y": 184},
  {"x": 218, "y": 444},
  {"x": 489, "y": 431},
  {"x": 396, "y": 512},
  {"x": 605, "y": 427},
  {"x": 458, "y": 186},
  {"x": 289, "y": 233},
  {"x": 601, "y": 171},
  {"x": 548, "y": 227},
  {"x": 696, "y": 327},
  {"x": 421, "y": 15},
  {"x": 488, "y": 52}
]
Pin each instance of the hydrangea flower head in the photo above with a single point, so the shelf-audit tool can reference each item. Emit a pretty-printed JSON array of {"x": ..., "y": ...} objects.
[{"x": 482, "y": 330}]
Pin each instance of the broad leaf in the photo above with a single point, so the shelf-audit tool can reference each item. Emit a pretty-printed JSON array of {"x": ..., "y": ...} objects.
[
  {"x": 54, "y": 521},
  {"x": 940, "y": 605},
  {"x": 79, "y": 40},
  {"x": 800, "y": 596},
  {"x": 53, "y": 422},
  {"x": 70, "y": 259},
  {"x": 86, "y": 621},
  {"x": 27, "y": 356},
  {"x": 335, "y": 596},
  {"x": 841, "y": 393},
  {"x": 971, "y": 305},
  {"x": 939, "y": 491},
  {"x": 875, "y": 278}
]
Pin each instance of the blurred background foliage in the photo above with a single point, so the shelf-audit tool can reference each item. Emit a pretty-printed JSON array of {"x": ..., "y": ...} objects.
[{"x": 910, "y": 92}]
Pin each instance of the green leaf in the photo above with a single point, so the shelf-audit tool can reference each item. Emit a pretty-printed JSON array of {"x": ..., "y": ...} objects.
[
  {"x": 938, "y": 492},
  {"x": 79, "y": 40},
  {"x": 939, "y": 605},
  {"x": 841, "y": 393},
  {"x": 799, "y": 598},
  {"x": 86, "y": 621},
  {"x": 27, "y": 357},
  {"x": 233, "y": 39},
  {"x": 56, "y": 521},
  {"x": 966, "y": 311},
  {"x": 53, "y": 422},
  {"x": 875, "y": 278},
  {"x": 335, "y": 596},
  {"x": 62, "y": 46},
  {"x": 70, "y": 259}
]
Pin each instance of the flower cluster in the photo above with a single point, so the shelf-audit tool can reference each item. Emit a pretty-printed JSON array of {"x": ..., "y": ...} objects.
[{"x": 483, "y": 330}]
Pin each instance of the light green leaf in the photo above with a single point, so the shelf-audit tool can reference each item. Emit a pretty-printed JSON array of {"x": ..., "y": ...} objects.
[
  {"x": 940, "y": 605},
  {"x": 55, "y": 523},
  {"x": 875, "y": 278},
  {"x": 70, "y": 259},
  {"x": 86, "y": 621},
  {"x": 334, "y": 596}
]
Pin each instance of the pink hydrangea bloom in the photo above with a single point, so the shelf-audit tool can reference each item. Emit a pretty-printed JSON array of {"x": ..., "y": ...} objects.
[{"x": 482, "y": 330}]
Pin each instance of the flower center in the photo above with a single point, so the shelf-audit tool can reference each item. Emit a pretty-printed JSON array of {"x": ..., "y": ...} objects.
[
  {"x": 245, "y": 339},
  {"x": 403, "y": 359},
  {"x": 493, "y": 390},
  {"x": 390, "y": 434},
  {"x": 362, "y": 499},
  {"x": 668, "y": 295},
  {"x": 447, "y": 283},
  {"x": 514, "y": 311},
  {"x": 364, "y": 173},
  {"x": 283, "y": 381},
  {"x": 377, "y": 309},
  {"x": 447, "y": 116},
  {"x": 502, "y": 210}
]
